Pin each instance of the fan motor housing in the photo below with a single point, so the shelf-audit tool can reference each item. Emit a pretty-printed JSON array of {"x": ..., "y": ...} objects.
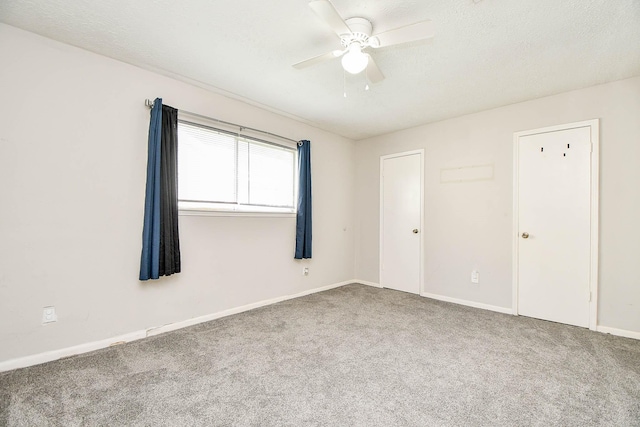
[{"x": 360, "y": 31}]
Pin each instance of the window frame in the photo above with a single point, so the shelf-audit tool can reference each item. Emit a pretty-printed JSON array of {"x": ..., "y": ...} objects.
[{"x": 204, "y": 208}]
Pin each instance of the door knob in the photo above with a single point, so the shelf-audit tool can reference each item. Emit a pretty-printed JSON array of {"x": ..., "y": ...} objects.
[
  {"x": 415, "y": 231},
  {"x": 525, "y": 235}
]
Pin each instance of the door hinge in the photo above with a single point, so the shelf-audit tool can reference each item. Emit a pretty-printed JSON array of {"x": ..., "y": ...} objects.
[{"x": 590, "y": 296}]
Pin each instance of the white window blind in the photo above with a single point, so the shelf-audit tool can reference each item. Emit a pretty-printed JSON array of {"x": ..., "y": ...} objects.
[{"x": 218, "y": 170}]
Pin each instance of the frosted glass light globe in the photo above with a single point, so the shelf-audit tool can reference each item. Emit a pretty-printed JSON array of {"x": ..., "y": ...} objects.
[{"x": 355, "y": 61}]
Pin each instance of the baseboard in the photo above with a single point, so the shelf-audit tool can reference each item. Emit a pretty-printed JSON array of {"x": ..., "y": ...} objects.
[
  {"x": 447, "y": 299},
  {"x": 618, "y": 332},
  {"x": 364, "y": 282},
  {"x": 236, "y": 310},
  {"x": 468, "y": 303},
  {"x": 49, "y": 356}
]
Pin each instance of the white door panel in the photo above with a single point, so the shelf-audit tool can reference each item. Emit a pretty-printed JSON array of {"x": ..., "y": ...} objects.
[
  {"x": 401, "y": 232},
  {"x": 554, "y": 247}
]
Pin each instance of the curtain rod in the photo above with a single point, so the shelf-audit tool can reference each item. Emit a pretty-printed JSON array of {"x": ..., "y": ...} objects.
[{"x": 149, "y": 103}]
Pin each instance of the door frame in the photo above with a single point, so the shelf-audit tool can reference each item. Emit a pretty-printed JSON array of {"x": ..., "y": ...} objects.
[
  {"x": 594, "y": 126},
  {"x": 380, "y": 225}
]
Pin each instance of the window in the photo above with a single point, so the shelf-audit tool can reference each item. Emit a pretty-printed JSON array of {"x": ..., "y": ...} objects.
[{"x": 219, "y": 170}]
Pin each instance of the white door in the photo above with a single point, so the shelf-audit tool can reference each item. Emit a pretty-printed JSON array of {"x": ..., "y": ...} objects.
[
  {"x": 554, "y": 225},
  {"x": 401, "y": 221}
]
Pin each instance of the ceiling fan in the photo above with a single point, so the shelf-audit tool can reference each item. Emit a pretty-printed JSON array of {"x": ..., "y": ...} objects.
[{"x": 356, "y": 36}]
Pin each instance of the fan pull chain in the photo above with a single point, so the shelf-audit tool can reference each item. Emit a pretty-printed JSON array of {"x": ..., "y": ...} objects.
[
  {"x": 366, "y": 78},
  {"x": 344, "y": 83}
]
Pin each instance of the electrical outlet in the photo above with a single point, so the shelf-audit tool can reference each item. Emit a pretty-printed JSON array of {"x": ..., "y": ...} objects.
[
  {"x": 475, "y": 276},
  {"x": 49, "y": 315},
  {"x": 305, "y": 271}
]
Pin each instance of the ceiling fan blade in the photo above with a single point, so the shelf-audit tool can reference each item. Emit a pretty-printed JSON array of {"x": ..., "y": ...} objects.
[
  {"x": 325, "y": 10},
  {"x": 318, "y": 59},
  {"x": 410, "y": 33},
  {"x": 373, "y": 72}
]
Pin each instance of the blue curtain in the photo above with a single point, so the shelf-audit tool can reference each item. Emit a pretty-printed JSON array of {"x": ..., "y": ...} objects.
[
  {"x": 303, "y": 219},
  {"x": 150, "y": 260},
  {"x": 160, "y": 242}
]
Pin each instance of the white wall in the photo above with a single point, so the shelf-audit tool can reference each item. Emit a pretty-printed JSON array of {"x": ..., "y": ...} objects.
[
  {"x": 73, "y": 140},
  {"x": 468, "y": 225}
]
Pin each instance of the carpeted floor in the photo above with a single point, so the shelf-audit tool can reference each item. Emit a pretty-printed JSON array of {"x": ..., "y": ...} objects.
[{"x": 352, "y": 356}]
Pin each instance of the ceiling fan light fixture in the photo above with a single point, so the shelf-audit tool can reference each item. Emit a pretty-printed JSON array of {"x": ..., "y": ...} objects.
[
  {"x": 356, "y": 34},
  {"x": 355, "y": 61}
]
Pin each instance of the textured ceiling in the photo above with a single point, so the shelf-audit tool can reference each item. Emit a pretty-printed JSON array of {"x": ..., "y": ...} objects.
[{"x": 485, "y": 53}]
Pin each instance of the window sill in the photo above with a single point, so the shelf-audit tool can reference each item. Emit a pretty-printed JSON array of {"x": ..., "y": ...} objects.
[{"x": 209, "y": 212}]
